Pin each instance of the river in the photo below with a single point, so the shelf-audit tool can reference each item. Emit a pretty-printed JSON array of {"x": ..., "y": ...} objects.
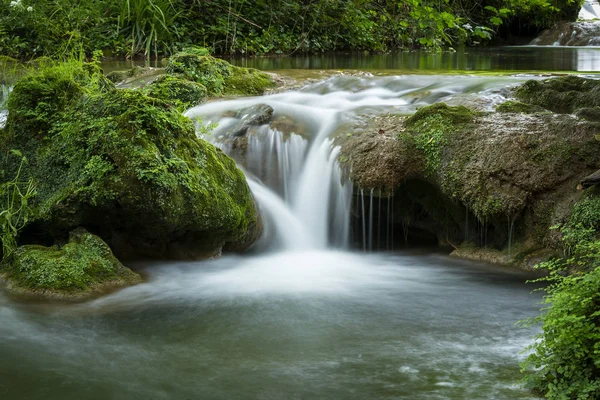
[{"x": 305, "y": 315}]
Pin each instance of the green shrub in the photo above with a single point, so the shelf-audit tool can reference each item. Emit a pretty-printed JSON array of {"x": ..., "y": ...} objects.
[{"x": 565, "y": 362}]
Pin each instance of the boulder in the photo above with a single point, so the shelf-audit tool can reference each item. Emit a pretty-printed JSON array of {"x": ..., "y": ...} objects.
[
  {"x": 126, "y": 166},
  {"x": 218, "y": 76},
  {"x": 83, "y": 267}
]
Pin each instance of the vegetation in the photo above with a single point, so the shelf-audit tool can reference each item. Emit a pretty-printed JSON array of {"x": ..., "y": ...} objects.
[
  {"x": 161, "y": 27},
  {"x": 565, "y": 362},
  {"x": 15, "y": 211},
  {"x": 75, "y": 269}
]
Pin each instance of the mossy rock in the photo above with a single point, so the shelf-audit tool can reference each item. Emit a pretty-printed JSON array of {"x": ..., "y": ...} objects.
[
  {"x": 517, "y": 107},
  {"x": 128, "y": 167},
  {"x": 247, "y": 81},
  {"x": 81, "y": 268},
  {"x": 218, "y": 76},
  {"x": 589, "y": 113},
  {"x": 120, "y": 76},
  {"x": 178, "y": 92},
  {"x": 44, "y": 94},
  {"x": 561, "y": 95},
  {"x": 453, "y": 115}
]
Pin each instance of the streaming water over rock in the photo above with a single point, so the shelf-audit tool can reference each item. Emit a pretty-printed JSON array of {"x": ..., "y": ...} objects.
[
  {"x": 590, "y": 10},
  {"x": 285, "y": 140},
  {"x": 584, "y": 32}
]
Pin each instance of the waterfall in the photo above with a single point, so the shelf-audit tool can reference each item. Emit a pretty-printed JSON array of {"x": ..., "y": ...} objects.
[
  {"x": 590, "y": 10},
  {"x": 285, "y": 143}
]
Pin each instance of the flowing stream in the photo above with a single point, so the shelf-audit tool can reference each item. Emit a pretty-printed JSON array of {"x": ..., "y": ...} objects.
[{"x": 303, "y": 316}]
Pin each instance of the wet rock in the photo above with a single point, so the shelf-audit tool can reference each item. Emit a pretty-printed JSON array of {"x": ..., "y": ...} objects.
[
  {"x": 502, "y": 169},
  {"x": 218, "y": 76},
  {"x": 570, "y": 34},
  {"x": 561, "y": 95},
  {"x": 259, "y": 114},
  {"x": 591, "y": 180}
]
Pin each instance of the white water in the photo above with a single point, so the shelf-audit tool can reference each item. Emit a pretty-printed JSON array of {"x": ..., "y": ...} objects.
[
  {"x": 590, "y": 10},
  {"x": 300, "y": 167}
]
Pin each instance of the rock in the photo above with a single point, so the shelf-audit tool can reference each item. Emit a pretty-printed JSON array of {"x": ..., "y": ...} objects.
[
  {"x": 218, "y": 76},
  {"x": 178, "y": 92},
  {"x": 512, "y": 106},
  {"x": 591, "y": 180},
  {"x": 128, "y": 167},
  {"x": 122, "y": 75},
  {"x": 259, "y": 114},
  {"x": 561, "y": 95},
  {"x": 83, "y": 267},
  {"x": 566, "y": 33},
  {"x": 445, "y": 165}
]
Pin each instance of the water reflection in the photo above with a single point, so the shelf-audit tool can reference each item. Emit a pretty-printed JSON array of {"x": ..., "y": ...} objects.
[{"x": 513, "y": 58}]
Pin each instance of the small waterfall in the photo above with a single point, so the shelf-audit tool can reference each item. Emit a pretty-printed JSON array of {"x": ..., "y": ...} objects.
[
  {"x": 589, "y": 11},
  {"x": 289, "y": 232},
  {"x": 4, "y": 92},
  {"x": 285, "y": 141}
]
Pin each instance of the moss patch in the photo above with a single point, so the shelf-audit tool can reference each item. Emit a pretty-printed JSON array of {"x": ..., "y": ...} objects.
[
  {"x": 218, "y": 76},
  {"x": 515, "y": 107},
  {"x": 179, "y": 92},
  {"x": 80, "y": 268},
  {"x": 561, "y": 95}
]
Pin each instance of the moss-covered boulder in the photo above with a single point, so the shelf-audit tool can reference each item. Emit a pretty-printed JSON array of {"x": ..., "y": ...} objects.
[
  {"x": 81, "y": 268},
  {"x": 487, "y": 178},
  {"x": 126, "y": 166},
  {"x": 218, "y": 76},
  {"x": 561, "y": 95},
  {"x": 517, "y": 107},
  {"x": 179, "y": 92}
]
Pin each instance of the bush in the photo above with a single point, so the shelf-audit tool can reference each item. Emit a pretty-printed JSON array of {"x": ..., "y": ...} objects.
[{"x": 565, "y": 362}]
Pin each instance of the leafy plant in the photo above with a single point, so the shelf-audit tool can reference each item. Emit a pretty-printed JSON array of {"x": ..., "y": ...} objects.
[
  {"x": 565, "y": 358},
  {"x": 15, "y": 210},
  {"x": 148, "y": 24}
]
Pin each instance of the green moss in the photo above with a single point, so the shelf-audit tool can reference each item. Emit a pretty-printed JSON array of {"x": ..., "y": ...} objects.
[
  {"x": 218, "y": 76},
  {"x": 181, "y": 93},
  {"x": 82, "y": 265},
  {"x": 430, "y": 127},
  {"x": 589, "y": 113},
  {"x": 561, "y": 95},
  {"x": 516, "y": 107},
  {"x": 453, "y": 115},
  {"x": 130, "y": 164},
  {"x": 247, "y": 81}
]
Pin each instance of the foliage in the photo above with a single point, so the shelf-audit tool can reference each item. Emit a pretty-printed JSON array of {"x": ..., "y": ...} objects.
[
  {"x": 148, "y": 24},
  {"x": 565, "y": 362},
  {"x": 15, "y": 209},
  {"x": 31, "y": 28}
]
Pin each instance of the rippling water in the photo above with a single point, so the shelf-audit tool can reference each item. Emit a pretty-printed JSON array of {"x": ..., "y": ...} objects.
[{"x": 310, "y": 325}]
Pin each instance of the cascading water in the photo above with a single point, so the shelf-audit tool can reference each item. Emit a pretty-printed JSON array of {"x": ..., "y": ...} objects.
[
  {"x": 590, "y": 10},
  {"x": 584, "y": 32},
  {"x": 4, "y": 92},
  {"x": 290, "y": 149}
]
